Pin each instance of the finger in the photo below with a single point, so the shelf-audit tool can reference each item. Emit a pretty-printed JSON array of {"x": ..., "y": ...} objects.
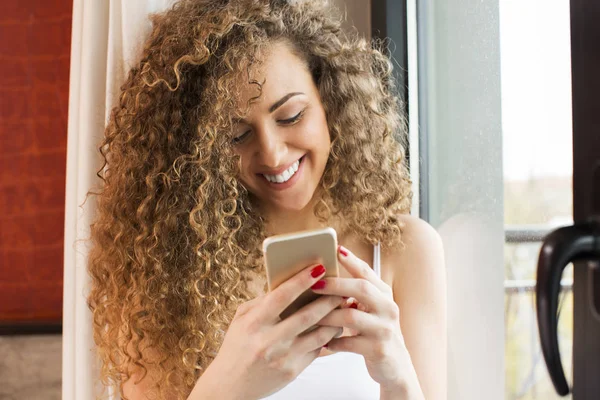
[
  {"x": 361, "y": 322},
  {"x": 353, "y": 344},
  {"x": 316, "y": 339},
  {"x": 353, "y": 303},
  {"x": 308, "y": 316},
  {"x": 307, "y": 358},
  {"x": 360, "y": 269},
  {"x": 348, "y": 302},
  {"x": 362, "y": 290},
  {"x": 283, "y": 295}
]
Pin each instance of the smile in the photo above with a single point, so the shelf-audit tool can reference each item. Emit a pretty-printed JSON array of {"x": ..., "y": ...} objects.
[{"x": 285, "y": 175}]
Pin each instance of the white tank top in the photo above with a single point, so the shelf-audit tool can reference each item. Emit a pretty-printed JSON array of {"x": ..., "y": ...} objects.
[{"x": 339, "y": 376}]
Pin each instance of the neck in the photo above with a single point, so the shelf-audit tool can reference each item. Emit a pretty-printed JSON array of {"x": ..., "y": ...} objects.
[{"x": 286, "y": 221}]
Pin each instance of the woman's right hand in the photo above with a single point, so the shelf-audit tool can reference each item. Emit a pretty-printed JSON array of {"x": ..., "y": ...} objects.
[{"x": 260, "y": 353}]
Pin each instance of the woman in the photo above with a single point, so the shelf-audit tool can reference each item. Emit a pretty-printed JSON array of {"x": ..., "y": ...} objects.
[{"x": 244, "y": 119}]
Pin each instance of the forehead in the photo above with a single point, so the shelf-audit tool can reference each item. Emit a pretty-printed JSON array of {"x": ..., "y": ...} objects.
[{"x": 281, "y": 71}]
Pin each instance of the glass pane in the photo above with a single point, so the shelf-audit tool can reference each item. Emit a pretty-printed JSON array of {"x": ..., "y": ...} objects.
[
  {"x": 536, "y": 111},
  {"x": 461, "y": 139},
  {"x": 526, "y": 374},
  {"x": 495, "y": 126},
  {"x": 537, "y": 165}
]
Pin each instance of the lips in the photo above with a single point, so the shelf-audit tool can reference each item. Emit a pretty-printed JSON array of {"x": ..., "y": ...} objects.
[
  {"x": 278, "y": 170},
  {"x": 286, "y": 178},
  {"x": 285, "y": 175}
]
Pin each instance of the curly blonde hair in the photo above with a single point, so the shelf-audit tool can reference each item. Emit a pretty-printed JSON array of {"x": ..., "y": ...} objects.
[{"x": 176, "y": 238}]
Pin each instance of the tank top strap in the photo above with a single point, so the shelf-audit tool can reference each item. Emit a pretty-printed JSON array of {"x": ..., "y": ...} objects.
[{"x": 377, "y": 259}]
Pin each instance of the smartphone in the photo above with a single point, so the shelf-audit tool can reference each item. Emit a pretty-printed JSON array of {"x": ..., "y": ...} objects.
[{"x": 286, "y": 255}]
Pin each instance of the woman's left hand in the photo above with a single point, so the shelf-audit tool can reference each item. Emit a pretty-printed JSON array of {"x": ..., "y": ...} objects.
[{"x": 374, "y": 318}]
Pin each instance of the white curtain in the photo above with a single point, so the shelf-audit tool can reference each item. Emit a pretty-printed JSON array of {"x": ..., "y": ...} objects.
[{"x": 106, "y": 39}]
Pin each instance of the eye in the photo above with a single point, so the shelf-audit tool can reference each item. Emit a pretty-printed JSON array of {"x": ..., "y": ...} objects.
[
  {"x": 293, "y": 120},
  {"x": 240, "y": 138}
]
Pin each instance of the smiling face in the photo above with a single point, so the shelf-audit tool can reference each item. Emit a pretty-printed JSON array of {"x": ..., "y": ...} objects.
[{"x": 283, "y": 141}]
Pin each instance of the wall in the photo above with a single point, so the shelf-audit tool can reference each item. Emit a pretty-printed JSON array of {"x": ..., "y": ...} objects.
[
  {"x": 30, "y": 367},
  {"x": 358, "y": 15},
  {"x": 34, "y": 78}
]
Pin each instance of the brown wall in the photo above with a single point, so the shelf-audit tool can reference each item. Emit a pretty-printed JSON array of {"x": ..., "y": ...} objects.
[
  {"x": 358, "y": 15},
  {"x": 35, "y": 40}
]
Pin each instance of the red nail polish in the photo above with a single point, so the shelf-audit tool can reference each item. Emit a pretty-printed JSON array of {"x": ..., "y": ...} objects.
[
  {"x": 317, "y": 271},
  {"x": 354, "y": 305},
  {"x": 343, "y": 251},
  {"x": 344, "y": 297},
  {"x": 326, "y": 345},
  {"x": 318, "y": 285}
]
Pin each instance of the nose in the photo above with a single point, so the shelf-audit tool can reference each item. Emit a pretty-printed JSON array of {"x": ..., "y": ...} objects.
[{"x": 271, "y": 150}]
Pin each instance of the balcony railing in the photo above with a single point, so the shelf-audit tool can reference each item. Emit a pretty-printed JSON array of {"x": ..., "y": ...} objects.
[
  {"x": 532, "y": 382},
  {"x": 528, "y": 285},
  {"x": 525, "y": 234},
  {"x": 528, "y": 234}
]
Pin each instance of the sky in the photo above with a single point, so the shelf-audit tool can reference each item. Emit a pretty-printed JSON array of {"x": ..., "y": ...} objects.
[{"x": 536, "y": 88}]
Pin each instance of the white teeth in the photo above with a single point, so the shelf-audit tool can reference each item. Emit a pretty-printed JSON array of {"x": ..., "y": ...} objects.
[{"x": 285, "y": 175}]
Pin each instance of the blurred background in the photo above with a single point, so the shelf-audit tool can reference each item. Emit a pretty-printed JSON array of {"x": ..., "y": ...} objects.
[{"x": 35, "y": 46}]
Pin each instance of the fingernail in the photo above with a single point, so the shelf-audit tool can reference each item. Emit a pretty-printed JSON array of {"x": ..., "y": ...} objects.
[
  {"x": 344, "y": 297},
  {"x": 354, "y": 305},
  {"x": 318, "y": 285},
  {"x": 326, "y": 345},
  {"x": 343, "y": 251},
  {"x": 340, "y": 332},
  {"x": 317, "y": 271}
]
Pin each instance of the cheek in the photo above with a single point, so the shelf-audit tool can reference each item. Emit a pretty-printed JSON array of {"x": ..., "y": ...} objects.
[{"x": 317, "y": 134}]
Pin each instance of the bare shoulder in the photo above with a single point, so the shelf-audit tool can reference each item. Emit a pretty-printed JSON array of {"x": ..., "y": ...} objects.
[
  {"x": 417, "y": 228},
  {"x": 419, "y": 287},
  {"x": 420, "y": 251}
]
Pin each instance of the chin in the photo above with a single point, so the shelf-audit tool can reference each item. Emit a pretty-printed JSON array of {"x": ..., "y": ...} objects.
[{"x": 294, "y": 204}]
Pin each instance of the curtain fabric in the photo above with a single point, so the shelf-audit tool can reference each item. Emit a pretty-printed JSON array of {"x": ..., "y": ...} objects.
[{"x": 106, "y": 38}]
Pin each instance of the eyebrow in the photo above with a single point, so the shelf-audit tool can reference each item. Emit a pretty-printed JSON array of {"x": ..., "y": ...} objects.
[
  {"x": 282, "y": 101},
  {"x": 274, "y": 107}
]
